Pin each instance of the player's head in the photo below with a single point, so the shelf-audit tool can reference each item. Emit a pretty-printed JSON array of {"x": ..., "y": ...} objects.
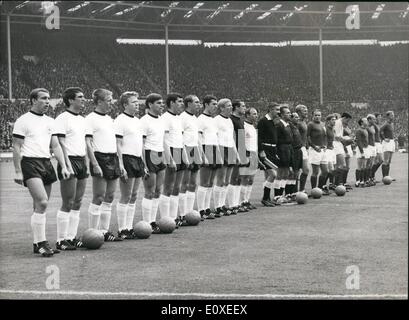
[
  {"x": 210, "y": 104},
  {"x": 239, "y": 107},
  {"x": 73, "y": 97},
  {"x": 316, "y": 116},
  {"x": 345, "y": 118},
  {"x": 371, "y": 119},
  {"x": 102, "y": 98},
  {"x": 154, "y": 104},
  {"x": 302, "y": 111},
  {"x": 174, "y": 103},
  {"x": 390, "y": 115},
  {"x": 129, "y": 102},
  {"x": 273, "y": 109},
  {"x": 337, "y": 115},
  {"x": 40, "y": 100},
  {"x": 363, "y": 122},
  {"x": 295, "y": 117},
  {"x": 192, "y": 104},
  {"x": 330, "y": 120},
  {"x": 224, "y": 106},
  {"x": 378, "y": 117},
  {"x": 285, "y": 113},
  {"x": 251, "y": 115}
]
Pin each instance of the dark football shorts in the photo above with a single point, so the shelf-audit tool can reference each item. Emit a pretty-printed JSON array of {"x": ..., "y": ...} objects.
[
  {"x": 38, "y": 168},
  {"x": 212, "y": 155},
  {"x": 79, "y": 167},
  {"x": 133, "y": 165},
  {"x": 193, "y": 155},
  {"x": 109, "y": 164},
  {"x": 269, "y": 151},
  {"x": 177, "y": 157},
  {"x": 154, "y": 161},
  {"x": 297, "y": 159},
  {"x": 285, "y": 153},
  {"x": 229, "y": 156}
]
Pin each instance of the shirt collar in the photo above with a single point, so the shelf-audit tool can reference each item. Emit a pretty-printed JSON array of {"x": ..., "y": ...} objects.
[
  {"x": 284, "y": 123},
  {"x": 127, "y": 114},
  {"x": 101, "y": 114},
  {"x": 153, "y": 116},
  {"x": 73, "y": 113},
  {"x": 37, "y": 114},
  {"x": 268, "y": 116}
]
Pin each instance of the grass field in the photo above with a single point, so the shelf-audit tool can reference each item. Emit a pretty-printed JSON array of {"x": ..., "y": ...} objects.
[{"x": 299, "y": 251}]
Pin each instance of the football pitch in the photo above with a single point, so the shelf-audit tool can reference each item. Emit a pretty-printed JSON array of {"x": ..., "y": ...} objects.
[{"x": 354, "y": 246}]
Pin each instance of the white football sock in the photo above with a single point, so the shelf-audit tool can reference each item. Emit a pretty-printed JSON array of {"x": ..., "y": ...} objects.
[
  {"x": 173, "y": 206},
  {"x": 237, "y": 195},
  {"x": 74, "y": 220},
  {"x": 38, "y": 227},
  {"x": 217, "y": 193},
  {"x": 130, "y": 213},
  {"x": 248, "y": 193},
  {"x": 223, "y": 197},
  {"x": 94, "y": 214},
  {"x": 164, "y": 206},
  {"x": 121, "y": 209},
  {"x": 182, "y": 205},
  {"x": 63, "y": 219},
  {"x": 155, "y": 205},
  {"x": 146, "y": 209},
  {"x": 201, "y": 198},
  {"x": 230, "y": 196},
  {"x": 190, "y": 201},
  {"x": 105, "y": 216},
  {"x": 208, "y": 197}
]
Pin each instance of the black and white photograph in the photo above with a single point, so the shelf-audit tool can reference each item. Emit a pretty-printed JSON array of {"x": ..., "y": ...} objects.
[{"x": 193, "y": 151}]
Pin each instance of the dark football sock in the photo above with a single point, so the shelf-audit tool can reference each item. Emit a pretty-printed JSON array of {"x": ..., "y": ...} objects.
[
  {"x": 313, "y": 182},
  {"x": 266, "y": 195},
  {"x": 303, "y": 181}
]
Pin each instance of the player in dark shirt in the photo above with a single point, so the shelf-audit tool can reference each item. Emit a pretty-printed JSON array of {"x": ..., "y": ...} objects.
[
  {"x": 362, "y": 153},
  {"x": 302, "y": 112},
  {"x": 267, "y": 148},
  {"x": 329, "y": 153},
  {"x": 317, "y": 141},
  {"x": 297, "y": 144},
  {"x": 378, "y": 144},
  {"x": 388, "y": 143},
  {"x": 284, "y": 153},
  {"x": 372, "y": 149}
]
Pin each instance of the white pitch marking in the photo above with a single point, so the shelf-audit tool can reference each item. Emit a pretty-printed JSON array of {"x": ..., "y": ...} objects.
[{"x": 209, "y": 295}]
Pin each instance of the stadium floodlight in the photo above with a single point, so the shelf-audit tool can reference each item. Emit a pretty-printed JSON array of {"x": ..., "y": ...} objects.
[
  {"x": 404, "y": 14},
  {"x": 166, "y": 12},
  {"x": 82, "y": 5},
  {"x": 45, "y": 5},
  {"x": 378, "y": 11},
  {"x": 179, "y": 42},
  {"x": 22, "y": 4},
  {"x": 267, "y": 13},
  {"x": 190, "y": 13},
  {"x": 245, "y": 44},
  {"x": 122, "y": 12},
  {"x": 108, "y": 7},
  {"x": 329, "y": 10},
  {"x": 218, "y": 10},
  {"x": 296, "y": 9},
  {"x": 241, "y": 14}
]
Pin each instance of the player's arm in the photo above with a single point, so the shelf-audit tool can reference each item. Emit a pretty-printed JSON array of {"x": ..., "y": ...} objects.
[
  {"x": 260, "y": 136},
  {"x": 202, "y": 151},
  {"x": 145, "y": 167},
  {"x": 119, "y": 146},
  {"x": 168, "y": 155},
  {"x": 360, "y": 141},
  {"x": 17, "y": 144},
  {"x": 62, "y": 142},
  {"x": 382, "y": 132},
  {"x": 312, "y": 145},
  {"x": 90, "y": 152},
  {"x": 59, "y": 155}
]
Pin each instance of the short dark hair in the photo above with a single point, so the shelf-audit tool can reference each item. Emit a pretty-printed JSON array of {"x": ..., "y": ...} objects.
[
  {"x": 172, "y": 97},
  {"x": 34, "y": 93},
  {"x": 151, "y": 98},
  {"x": 208, "y": 98},
  {"x": 284, "y": 107},
  {"x": 360, "y": 121},
  {"x": 377, "y": 114},
  {"x": 188, "y": 99},
  {"x": 70, "y": 93},
  {"x": 272, "y": 105},
  {"x": 346, "y": 115},
  {"x": 236, "y": 103},
  {"x": 330, "y": 116}
]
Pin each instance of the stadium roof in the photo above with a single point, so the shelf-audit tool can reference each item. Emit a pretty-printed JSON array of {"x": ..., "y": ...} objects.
[{"x": 221, "y": 20}]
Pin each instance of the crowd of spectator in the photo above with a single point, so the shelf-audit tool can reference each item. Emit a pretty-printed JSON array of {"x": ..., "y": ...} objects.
[{"x": 374, "y": 75}]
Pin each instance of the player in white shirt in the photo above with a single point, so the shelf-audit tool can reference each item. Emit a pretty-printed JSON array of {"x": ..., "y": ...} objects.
[
  {"x": 129, "y": 141},
  {"x": 175, "y": 157},
  {"x": 32, "y": 136},
  {"x": 104, "y": 163},
  {"x": 70, "y": 129},
  {"x": 211, "y": 156},
  {"x": 153, "y": 132},
  {"x": 228, "y": 151},
  {"x": 341, "y": 167},
  {"x": 248, "y": 172},
  {"x": 194, "y": 152}
]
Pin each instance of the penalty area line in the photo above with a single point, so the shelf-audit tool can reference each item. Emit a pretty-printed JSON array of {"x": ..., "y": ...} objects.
[{"x": 203, "y": 295}]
